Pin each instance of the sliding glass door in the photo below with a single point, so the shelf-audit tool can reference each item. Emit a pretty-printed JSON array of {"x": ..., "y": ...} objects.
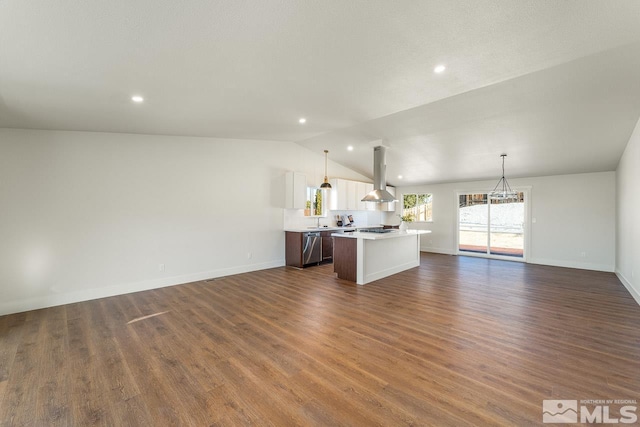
[
  {"x": 491, "y": 227},
  {"x": 473, "y": 223}
]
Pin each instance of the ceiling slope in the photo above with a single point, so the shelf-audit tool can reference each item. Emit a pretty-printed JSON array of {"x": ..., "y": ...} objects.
[
  {"x": 573, "y": 118},
  {"x": 250, "y": 69}
]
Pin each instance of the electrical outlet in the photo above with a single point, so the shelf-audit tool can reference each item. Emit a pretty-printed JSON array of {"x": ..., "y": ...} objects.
[
  {"x": 249, "y": 255},
  {"x": 161, "y": 268}
]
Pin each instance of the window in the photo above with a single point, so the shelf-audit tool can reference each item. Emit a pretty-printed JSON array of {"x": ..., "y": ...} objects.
[
  {"x": 418, "y": 206},
  {"x": 315, "y": 202}
]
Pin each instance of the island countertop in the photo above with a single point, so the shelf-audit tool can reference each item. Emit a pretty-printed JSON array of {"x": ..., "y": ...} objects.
[
  {"x": 380, "y": 236},
  {"x": 347, "y": 229}
]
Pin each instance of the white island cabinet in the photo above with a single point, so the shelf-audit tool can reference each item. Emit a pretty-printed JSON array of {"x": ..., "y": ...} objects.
[{"x": 364, "y": 257}]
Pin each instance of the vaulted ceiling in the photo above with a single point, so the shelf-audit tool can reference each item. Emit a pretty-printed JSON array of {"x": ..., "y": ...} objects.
[{"x": 555, "y": 84}]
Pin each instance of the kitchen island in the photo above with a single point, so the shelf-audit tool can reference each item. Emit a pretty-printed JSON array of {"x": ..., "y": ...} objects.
[{"x": 363, "y": 257}]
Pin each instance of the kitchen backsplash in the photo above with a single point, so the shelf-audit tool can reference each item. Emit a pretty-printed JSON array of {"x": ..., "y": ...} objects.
[{"x": 294, "y": 218}]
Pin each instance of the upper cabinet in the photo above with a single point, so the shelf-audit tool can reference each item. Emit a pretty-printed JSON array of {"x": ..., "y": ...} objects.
[
  {"x": 361, "y": 191},
  {"x": 368, "y": 188},
  {"x": 338, "y": 197},
  {"x": 389, "y": 206},
  {"x": 346, "y": 195},
  {"x": 352, "y": 195},
  {"x": 295, "y": 190}
]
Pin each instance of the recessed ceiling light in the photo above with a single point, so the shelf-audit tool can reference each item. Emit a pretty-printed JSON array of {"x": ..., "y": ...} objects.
[
  {"x": 399, "y": 176},
  {"x": 350, "y": 148},
  {"x": 302, "y": 120},
  {"x": 137, "y": 98},
  {"x": 439, "y": 69}
]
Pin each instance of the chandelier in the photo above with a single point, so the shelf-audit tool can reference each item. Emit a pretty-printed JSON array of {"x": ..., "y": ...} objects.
[{"x": 502, "y": 190}]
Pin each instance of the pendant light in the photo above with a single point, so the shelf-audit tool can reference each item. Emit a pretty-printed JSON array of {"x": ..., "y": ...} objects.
[
  {"x": 325, "y": 184},
  {"x": 502, "y": 190}
]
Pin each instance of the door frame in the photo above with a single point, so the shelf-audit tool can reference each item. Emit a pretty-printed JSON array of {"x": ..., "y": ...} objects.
[{"x": 527, "y": 226}]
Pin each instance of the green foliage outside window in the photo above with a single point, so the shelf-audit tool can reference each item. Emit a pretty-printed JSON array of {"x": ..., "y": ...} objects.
[
  {"x": 318, "y": 203},
  {"x": 315, "y": 202},
  {"x": 417, "y": 206}
]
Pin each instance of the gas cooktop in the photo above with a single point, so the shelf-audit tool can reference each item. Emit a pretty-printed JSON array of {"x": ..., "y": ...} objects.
[{"x": 376, "y": 230}]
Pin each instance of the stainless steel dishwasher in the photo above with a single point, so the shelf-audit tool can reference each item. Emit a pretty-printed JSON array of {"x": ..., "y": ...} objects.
[{"x": 312, "y": 252}]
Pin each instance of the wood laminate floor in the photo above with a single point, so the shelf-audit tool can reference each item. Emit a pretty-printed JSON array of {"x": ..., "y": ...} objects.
[{"x": 457, "y": 341}]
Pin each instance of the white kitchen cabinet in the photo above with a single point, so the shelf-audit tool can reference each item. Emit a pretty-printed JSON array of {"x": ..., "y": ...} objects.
[
  {"x": 343, "y": 195},
  {"x": 338, "y": 198},
  {"x": 389, "y": 206},
  {"x": 361, "y": 191},
  {"x": 295, "y": 190},
  {"x": 352, "y": 202},
  {"x": 346, "y": 195},
  {"x": 370, "y": 206}
]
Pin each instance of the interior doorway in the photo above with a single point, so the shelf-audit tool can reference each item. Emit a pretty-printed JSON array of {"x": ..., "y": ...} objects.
[{"x": 492, "y": 228}]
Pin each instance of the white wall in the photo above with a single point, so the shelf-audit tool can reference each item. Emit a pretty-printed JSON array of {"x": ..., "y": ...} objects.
[
  {"x": 85, "y": 215},
  {"x": 573, "y": 213},
  {"x": 628, "y": 209}
]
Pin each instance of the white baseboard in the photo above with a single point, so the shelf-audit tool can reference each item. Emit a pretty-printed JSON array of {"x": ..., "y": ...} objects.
[
  {"x": 541, "y": 261},
  {"x": 573, "y": 264},
  {"x": 436, "y": 250},
  {"x": 53, "y": 300},
  {"x": 627, "y": 284}
]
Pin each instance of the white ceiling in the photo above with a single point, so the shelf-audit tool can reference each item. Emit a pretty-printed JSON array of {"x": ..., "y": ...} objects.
[{"x": 555, "y": 84}]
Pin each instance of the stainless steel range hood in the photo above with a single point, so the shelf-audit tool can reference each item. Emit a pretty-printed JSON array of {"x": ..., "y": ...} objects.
[{"x": 379, "y": 193}]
